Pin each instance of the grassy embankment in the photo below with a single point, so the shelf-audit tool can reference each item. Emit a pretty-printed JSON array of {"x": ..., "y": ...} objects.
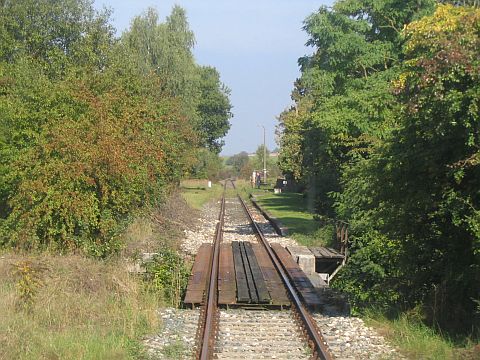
[
  {"x": 415, "y": 340},
  {"x": 74, "y": 307},
  {"x": 197, "y": 193}
]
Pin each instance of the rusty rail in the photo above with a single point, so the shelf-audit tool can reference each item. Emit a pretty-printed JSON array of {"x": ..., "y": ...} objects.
[
  {"x": 208, "y": 320},
  {"x": 314, "y": 337}
]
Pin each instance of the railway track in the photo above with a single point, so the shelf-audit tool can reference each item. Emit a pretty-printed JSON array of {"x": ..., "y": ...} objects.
[{"x": 253, "y": 330}]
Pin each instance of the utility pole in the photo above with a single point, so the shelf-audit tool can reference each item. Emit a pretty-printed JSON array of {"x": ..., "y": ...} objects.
[{"x": 264, "y": 157}]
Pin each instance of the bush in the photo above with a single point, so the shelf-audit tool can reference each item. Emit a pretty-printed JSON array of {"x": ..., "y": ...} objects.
[{"x": 168, "y": 274}]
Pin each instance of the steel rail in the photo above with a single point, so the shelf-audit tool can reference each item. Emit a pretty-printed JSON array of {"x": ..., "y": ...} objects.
[
  {"x": 209, "y": 323},
  {"x": 315, "y": 338}
]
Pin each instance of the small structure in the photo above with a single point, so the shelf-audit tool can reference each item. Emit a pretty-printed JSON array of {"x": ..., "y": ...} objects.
[
  {"x": 329, "y": 261},
  {"x": 304, "y": 258},
  {"x": 280, "y": 185}
]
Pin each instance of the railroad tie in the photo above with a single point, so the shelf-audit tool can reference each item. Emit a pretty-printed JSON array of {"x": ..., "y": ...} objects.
[
  {"x": 273, "y": 281},
  {"x": 248, "y": 273}
]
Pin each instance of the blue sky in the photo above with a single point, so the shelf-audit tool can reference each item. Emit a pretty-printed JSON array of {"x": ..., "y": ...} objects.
[{"x": 254, "y": 45}]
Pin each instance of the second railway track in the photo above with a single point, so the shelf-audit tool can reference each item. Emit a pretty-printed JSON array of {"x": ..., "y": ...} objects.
[{"x": 252, "y": 328}]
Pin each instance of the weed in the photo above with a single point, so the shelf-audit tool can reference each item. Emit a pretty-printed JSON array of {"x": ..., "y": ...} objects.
[
  {"x": 29, "y": 281},
  {"x": 412, "y": 337},
  {"x": 83, "y": 309},
  {"x": 168, "y": 273},
  {"x": 174, "y": 351}
]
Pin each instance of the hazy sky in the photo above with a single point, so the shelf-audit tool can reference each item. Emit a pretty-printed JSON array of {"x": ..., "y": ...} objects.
[{"x": 254, "y": 45}]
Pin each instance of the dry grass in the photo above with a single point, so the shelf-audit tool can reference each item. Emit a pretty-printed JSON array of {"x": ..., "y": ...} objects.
[
  {"x": 81, "y": 309},
  {"x": 73, "y": 307},
  {"x": 162, "y": 228}
]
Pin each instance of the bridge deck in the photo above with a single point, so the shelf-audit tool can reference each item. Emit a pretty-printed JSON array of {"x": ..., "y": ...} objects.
[{"x": 247, "y": 276}]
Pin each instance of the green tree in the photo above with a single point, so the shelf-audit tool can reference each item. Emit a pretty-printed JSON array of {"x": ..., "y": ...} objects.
[
  {"x": 384, "y": 132},
  {"x": 262, "y": 157},
  {"x": 343, "y": 104},
  {"x": 57, "y": 34},
  {"x": 166, "y": 50},
  {"x": 213, "y": 109},
  {"x": 238, "y": 161},
  {"x": 415, "y": 204},
  {"x": 208, "y": 165}
]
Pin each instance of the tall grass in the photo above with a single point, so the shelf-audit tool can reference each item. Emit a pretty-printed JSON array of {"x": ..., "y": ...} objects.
[
  {"x": 83, "y": 309},
  {"x": 418, "y": 341}
]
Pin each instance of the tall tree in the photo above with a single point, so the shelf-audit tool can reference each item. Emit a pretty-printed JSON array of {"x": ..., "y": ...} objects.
[
  {"x": 343, "y": 103},
  {"x": 166, "y": 50},
  {"x": 213, "y": 109},
  {"x": 413, "y": 206},
  {"x": 262, "y": 155},
  {"x": 238, "y": 161},
  {"x": 93, "y": 129}
]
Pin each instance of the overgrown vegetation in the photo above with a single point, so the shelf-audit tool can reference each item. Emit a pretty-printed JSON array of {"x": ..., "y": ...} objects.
[
  {"x": 77, "y": 307},
  {"x": 385, "y": 135},
  {"x": 167, "y": 273},
  {"x": 81, "y": 309},
  {"x": 95, "y": 134},
  {"x": 94, "y": 128}
]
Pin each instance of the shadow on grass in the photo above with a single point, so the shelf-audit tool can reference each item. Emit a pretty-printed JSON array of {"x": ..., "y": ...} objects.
[
  {"x": 190, "y": 188},
  {"x": 299, "y": 225},
  {"x": 287, "y": 202},
  {"x": 294, "y": 212}
]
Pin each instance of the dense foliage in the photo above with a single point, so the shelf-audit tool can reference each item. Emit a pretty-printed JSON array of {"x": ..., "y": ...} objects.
[
  {"x": 385, "y": 133},
  {"x": 93, "y": 128}
]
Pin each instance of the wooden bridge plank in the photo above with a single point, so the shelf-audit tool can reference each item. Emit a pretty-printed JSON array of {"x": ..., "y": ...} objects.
[
  {"x": 243, "y": 294},
  {"x": 273, "y": 282},
  {"x": 323, "y": 252},
  {"x": 227, "y": 288},
  {"x": 198, "y": 278},
  {"x": 248, "y": 273},
  {"x": 261, "y": 288},
  {"x": 299, "y": 279},
  {"x": 336, "y": 253}
]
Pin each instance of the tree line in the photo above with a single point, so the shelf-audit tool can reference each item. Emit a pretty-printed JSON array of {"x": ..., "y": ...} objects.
[
  {"x": 242, "y": 165},
  {"x": 95, "y": 127},
  {"x": 385, "y": 134}
]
